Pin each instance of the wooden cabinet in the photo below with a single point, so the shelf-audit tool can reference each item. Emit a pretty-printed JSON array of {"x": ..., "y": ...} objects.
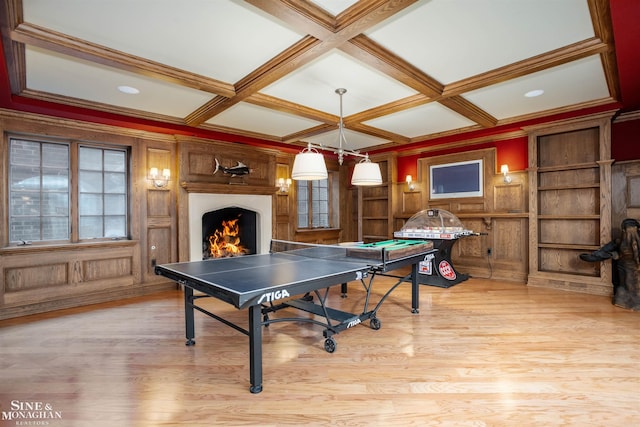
[
  {"x": 375, "y": 205},
  {"x": 570, "y": 204}
]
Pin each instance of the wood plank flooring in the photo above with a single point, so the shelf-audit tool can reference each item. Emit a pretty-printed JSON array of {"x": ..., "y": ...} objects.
[{"x": 482, "y": 353}]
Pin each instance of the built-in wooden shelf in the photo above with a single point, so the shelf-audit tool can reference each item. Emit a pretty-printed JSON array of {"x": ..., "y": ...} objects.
[
  {"x": 567, "y": 217},
  {"x": 566, "y": 167},
  {"x": 569, "y": 187},
  {"x": 589, "y": 248},
  {"x": 375, "y": 204},
  {"x": 570, "y": 204}
]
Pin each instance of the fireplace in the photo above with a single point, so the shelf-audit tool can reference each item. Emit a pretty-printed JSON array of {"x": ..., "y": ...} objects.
[
  {"x": 257, "y": 206},
  {"x": 229, "y": 232}
]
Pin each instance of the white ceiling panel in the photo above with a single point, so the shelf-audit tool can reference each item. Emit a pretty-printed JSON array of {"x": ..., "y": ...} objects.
[
  {"x": 568, "y": 84},
  {"x": 335, "y": 6},
  {"x": 314, "y": 85},
  {"x": 59, "y": 75},
  {"x": 426, "y": 119},
  {"x": 221, "y": 39},
  {"x": 454, "y": 39},
  {"x": 262, "y": 120}
]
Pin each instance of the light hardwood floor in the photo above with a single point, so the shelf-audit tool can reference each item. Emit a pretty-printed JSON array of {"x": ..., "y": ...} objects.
[{"x": 483, "y": 353}]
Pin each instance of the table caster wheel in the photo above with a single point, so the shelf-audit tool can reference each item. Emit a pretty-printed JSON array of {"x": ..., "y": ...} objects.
[
  {"x": 330, "y": 345},
  {"x": 190, "y": 342},
  {"x": 375, "y": 323}
]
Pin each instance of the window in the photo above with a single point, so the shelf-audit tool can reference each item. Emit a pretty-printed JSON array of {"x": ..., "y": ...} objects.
[
  {"x": 315, "y": 200},
  {"x": 39, "y": 191},
  {"x": 102, "y": 193},
  {"x": 41, "y": 196}
]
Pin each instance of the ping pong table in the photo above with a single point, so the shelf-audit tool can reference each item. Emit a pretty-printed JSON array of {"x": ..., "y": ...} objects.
[{"x": 267, "y": 283}]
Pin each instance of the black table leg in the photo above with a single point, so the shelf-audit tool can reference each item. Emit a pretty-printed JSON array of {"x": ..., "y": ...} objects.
[
  {"x": 415, "y": 289},
  {"x": 188, "y": 316},
  {"x": 255, "y": 348}
]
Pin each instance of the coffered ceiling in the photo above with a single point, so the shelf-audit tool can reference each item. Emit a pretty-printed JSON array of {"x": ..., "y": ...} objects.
[{"x": 268, "y": 69}]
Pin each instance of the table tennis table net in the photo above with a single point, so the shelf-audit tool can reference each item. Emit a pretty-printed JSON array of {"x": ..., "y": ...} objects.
[{"x": 310, "y": 250}]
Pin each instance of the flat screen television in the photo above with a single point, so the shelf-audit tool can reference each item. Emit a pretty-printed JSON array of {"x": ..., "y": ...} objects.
[{"x": 453, "y": 180}]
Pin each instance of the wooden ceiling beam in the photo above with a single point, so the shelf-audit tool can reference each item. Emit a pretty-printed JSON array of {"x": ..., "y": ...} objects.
[
  {"x": 34, "y": 35},
  {"x": 366, "y": 50},
  {"x": 379, "y": 133},
  {"x": 381, "y": 59},
  {"x": 389, "y": 108},
  {"x": 303, "y": 16},
  {"x": 469, "y": 110},
  {"x": 603, "y": 29},
  {"x": 531, "y": 65},
  {"x": 307, "y": 133},
  {"x": 278, "y": 104},
  {"x": 11, "y": 15},
  {"x": 350, "y": 23},
  {"x": 287, "y": 61}
]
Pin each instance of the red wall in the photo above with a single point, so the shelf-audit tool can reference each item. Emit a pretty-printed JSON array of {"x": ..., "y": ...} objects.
[
  {"x": 625, "y": 140},
  {"x": 512, "y": 152},
  {"x": 625, "y": 145}
]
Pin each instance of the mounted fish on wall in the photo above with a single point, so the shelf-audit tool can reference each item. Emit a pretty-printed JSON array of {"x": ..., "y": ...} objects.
[{"x": 239, "y": 170}]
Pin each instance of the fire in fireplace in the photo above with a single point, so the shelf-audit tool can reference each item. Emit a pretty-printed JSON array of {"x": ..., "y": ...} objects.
[{"x": 228, "y": 232}]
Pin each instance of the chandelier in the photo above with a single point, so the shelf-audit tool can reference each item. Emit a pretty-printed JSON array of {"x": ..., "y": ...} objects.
[{"x": 309, "y": 163}]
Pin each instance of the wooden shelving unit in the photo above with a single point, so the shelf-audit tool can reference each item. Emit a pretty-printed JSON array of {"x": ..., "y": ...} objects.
[
  {"x": 570, "y": 204},
  {"x": 375, "y": 206}
]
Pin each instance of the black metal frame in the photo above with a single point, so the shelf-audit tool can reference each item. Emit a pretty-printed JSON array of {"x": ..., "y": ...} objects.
[
  {"x": 259, "y": 314},
  {"x": 444, "y": 247}
]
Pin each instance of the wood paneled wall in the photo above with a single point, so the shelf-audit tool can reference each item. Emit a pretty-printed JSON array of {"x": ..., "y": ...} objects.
[
  {"x": 500, "y": 215},
  {"x": 45, "y": 277},
  {"x": 625, "y": 184},
  {"x": 42, "y": 278}
]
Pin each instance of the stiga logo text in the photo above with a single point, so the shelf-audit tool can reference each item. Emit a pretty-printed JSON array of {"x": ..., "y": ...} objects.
[
  {"x": 32, "y": 413},
  {"x": 272, "y": 296}
]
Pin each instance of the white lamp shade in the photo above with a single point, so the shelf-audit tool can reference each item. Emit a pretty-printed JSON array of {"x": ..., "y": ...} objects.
[
  {"x": 309, "y": 165},
  {"x": 366, "y": 173}
]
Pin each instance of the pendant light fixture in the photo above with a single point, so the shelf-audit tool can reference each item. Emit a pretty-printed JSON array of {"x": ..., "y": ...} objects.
[
  {"x": 366, "y": 173},
  {"x": 309, "y": 163}
]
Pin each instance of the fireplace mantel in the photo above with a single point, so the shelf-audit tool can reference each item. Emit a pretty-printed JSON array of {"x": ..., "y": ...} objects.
[{"x": 207, "y": 187}]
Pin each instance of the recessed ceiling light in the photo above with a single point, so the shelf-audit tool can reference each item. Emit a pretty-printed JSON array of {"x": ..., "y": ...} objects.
[
  {"x": 534, "y": 93},
  {"x": 129, "y": 90}
]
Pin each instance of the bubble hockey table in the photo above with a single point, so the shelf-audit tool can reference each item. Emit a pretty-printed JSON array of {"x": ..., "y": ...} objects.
[
  {"x": 264, "y": 284},
  {"x": 444, "y": 229}
]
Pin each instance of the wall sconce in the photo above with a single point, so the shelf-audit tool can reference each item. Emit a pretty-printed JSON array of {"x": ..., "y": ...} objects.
[
  {"x": 504, "y": 169},
  {"x": 410, "y": 184},
  {"x": 159, "y": 181},
  {"x": 283, "y": 185}
]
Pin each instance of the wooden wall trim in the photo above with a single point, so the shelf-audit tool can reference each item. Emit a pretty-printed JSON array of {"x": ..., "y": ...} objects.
[
  {"x": 19, "y": 119},
  {"x": 205, "y": 187}
]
